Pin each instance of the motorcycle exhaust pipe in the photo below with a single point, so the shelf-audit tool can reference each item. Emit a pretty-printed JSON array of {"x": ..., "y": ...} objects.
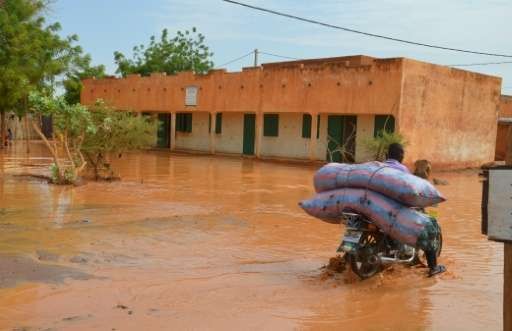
[
  {"x": 395, "y": 260},
  {"x": 388, "y": 259}
]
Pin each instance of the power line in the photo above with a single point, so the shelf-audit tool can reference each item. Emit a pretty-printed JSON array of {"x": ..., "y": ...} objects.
[
  {"x": 260, "y": 52},
  {"x": 478, "y": 64},
  {"x": 281, "y": 56},
  {"x": 298, "y": 59},
  {"x": 361, "y": 32},
  {"x": 237, "y": 59},
  {"x": 449, "y": 65}
]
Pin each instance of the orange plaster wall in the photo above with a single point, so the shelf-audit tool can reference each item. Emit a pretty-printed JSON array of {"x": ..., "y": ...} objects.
[
  {"x": 448, "y": 116},
  {"x": 359, "y": 85},
  {"x": 501, "y": 137}
]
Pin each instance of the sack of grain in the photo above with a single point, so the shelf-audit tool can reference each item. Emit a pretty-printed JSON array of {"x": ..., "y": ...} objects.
[
  {"x": 398, "y": 221},
  {"x": 377, "y": 176}
]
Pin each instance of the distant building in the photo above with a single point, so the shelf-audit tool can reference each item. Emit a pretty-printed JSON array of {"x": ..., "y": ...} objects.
[
  {"x": 504, "y": 121},
  {"x": 305, "y": 109}
]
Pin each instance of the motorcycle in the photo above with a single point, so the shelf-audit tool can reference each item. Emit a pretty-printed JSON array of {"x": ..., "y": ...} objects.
[{"x": 366, "y": 248}]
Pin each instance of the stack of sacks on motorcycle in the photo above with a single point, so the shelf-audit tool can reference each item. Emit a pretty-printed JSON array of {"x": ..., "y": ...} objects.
[{"x": 382, "y": 193}]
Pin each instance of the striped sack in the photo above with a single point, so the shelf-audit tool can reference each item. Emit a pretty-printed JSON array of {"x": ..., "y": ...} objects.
[
  {"x": 396, "y": 220},
  {"x": 406, "y": 188}
]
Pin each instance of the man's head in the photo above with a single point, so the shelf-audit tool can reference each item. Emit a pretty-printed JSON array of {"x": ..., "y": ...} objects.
[{"x": 396, "y": 152}]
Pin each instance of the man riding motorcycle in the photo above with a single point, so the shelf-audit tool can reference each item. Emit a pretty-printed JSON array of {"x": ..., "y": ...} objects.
[{"x": 427, "y": 239}]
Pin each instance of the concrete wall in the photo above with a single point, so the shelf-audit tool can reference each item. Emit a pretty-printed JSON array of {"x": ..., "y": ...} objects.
[
  {"x": 505, "y": 109},
  {"x": 365, "y": 127},
  {"x": 368, "y": 87},
  {"x": 501, "y": 142},
  {"x": 321, "y": 143},
  {"x": 199, "y": 138},
  {"x": 289, "y": 143},
  {"x": 448, "y": 116},
  {"x": 290, "y": 135},
  {"x": 231, "y": 138},
  {"x": 505, "y": 112},
  {"x": 362, "y": 84}
]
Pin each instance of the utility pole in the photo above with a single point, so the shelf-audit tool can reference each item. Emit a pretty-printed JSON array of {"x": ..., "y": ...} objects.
[
  {"x": 256, "y": 57},
  {"x": 507, "y": 257}
]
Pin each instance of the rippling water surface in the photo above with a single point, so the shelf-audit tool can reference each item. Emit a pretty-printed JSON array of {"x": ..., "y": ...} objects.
[{"x": 199, "y": 242}]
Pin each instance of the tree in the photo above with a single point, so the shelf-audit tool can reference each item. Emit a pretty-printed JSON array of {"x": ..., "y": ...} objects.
[
  {"x": 71, "y": 124},
  {"x": 80, "y": 68},
  {"x": 186, "y": 51},
  {"x": 379, "y": 145},
  {"x": 31, "y": 54},
  {"x": 16, "y": 21},
  {"x": 116, "y": 132}
]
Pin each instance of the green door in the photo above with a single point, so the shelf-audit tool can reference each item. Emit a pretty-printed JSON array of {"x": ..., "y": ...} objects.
[
  {"x": 341, "y": 130},
  {"x": 249, "y": 133},
  {"x": 164, "y": 131}
]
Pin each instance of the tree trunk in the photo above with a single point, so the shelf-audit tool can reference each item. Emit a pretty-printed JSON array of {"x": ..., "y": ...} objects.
[
  {"x": 52, "y": 150},
  {"x": 3, "y": 129},
  {"x": 68, "y": 153},
  {"x": 27, "y": 134},
  {"x": 25, "y": 124}
]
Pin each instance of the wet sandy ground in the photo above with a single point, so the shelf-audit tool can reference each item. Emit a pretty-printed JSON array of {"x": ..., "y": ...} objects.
[{"x": 197, "y": 242}]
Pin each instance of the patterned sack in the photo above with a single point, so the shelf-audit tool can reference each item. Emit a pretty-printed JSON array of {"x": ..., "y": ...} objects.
[
  {"x": 406, "y": 188},
  {"x": 398, "y": 221}
]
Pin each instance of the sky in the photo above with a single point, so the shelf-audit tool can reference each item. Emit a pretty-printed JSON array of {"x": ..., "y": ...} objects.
[{"x": 232, "y": 31}]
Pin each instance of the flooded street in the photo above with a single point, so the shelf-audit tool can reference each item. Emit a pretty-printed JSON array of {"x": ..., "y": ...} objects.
[{"x": 200, "y": 242}]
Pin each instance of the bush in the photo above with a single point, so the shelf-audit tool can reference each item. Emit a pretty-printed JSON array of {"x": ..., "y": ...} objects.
[
  {"x": 116, "y": 132},
  {"x": 378, "y": 146}
]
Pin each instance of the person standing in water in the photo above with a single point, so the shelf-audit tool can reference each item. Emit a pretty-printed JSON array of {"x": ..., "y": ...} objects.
[{"x": 10, "y": 137}]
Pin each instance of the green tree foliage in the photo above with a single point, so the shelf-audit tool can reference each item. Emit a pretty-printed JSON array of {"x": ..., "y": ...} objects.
[
  {"x": 116, "y": 132},
  {"x": 186, "y": 51},
  {"x": 379, "y": 145},
  {"x": 32, "y": 54},
  {"x": 79, "y": 69},
  {"x": 71, "y": 124}
]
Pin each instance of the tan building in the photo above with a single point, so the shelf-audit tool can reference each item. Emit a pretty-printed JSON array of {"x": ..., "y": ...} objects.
[
  {"x": 504, "y": 121},
  {"x": 305, "y": 109}
]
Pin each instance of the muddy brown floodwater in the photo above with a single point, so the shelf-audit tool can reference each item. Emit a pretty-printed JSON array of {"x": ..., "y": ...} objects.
[{"x": 199, "y": 242}]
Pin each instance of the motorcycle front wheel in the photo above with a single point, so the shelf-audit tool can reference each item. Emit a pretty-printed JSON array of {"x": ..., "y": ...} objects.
[{"x": 365, "y": 262}]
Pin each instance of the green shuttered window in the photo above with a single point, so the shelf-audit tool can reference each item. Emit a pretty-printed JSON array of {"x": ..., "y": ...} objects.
[
  {"x": 270, "y": 125},
  {"x": 218, "y": 123},
  {"x": 384, "y": 122},
  {"x": 317, "y": 126},
  {"x": 184, "y": 122},
  {"x": 306, "y": 126}
]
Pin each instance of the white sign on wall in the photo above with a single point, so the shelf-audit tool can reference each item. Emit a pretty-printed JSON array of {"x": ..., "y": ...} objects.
[
  {"x": 191, "y": 96},
  {"x": 499, "y": 204}
]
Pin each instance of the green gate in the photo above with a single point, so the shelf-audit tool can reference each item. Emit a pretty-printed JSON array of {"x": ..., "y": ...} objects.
[
  {"x": 341, "y": 137},
  {"x": 249, "y": 133},
  {"x": 164, "y": 131}
]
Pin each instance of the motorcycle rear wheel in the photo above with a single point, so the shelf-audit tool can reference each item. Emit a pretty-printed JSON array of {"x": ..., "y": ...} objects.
[{"x": 366, "y": 262}]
